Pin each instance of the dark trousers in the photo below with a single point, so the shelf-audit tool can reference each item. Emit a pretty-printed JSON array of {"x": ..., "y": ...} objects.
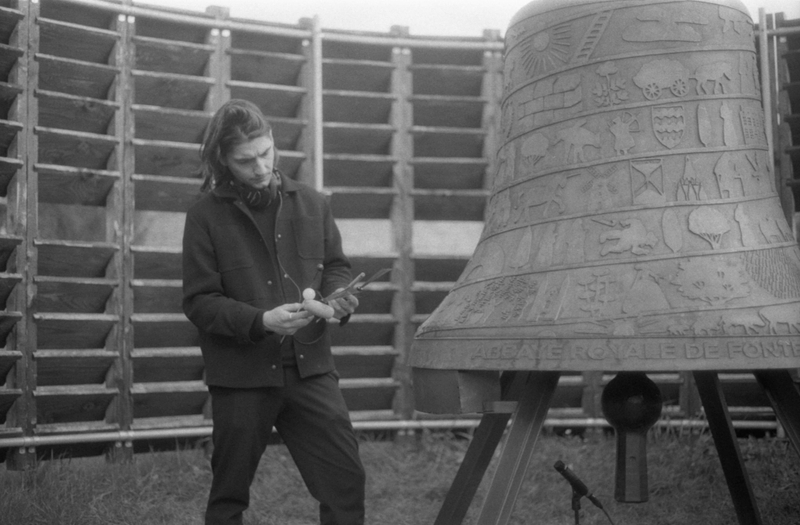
[{"x": 311, "y": 417}]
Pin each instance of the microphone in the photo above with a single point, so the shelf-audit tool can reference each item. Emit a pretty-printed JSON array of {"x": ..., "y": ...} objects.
[{"x": 577, "y": 485}]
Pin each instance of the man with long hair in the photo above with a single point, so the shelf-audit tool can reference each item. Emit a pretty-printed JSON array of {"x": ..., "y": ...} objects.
[{"x": 253, "y": 243}]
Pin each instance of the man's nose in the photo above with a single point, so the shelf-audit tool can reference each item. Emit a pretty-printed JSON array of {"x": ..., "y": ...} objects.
[{"x": 262, "y": 167}]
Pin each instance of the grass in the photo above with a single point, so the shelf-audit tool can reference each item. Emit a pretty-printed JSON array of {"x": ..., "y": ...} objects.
[{"x": 407, "y": 482}]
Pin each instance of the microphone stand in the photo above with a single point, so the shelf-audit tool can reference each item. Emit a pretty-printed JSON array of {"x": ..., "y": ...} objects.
[{"x": 576, "y": 506}]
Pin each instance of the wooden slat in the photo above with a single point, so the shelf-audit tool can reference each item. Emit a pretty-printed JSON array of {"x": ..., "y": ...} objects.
[
  {"x": 287, "y": 132},
  {"x": 455, "y": 173},
  {"x": 76, "y": 149},
  {"x": 75, "y": 77},
  {"x": 156, "y": 262},
  {"x": 364, "y": 139},
  {"x": 70, "y": 185},
  {"x": 455, "y": 112},
  {"x": 461, "y": 81},
  {"x": 8, "y": 359},
  {"x": 448, "y": 57},
  {"x": 160, "y": 193},
  {"x": 358, "y": 170},
  {"x": 448, "y": 142},
  {"x": 8, "y": 58},
  {"x": 73, "y": 367},
  {"x": 152, "y": 365},
  {"x": 78, "y": 14},
  {"x": 450, "y": 205},
  {"x": 8, "y": 168},
  {"x": 62, "y": 111},
  {"x": 274, "y": 100},
  {"x": 8, "y": 281},
  {"x": 74, "y": 259},
  {"x": 174, "y": 125},
  {"x": 157, "y": 295},
  {"x": 8, "y": 132},
  {"x": 179, "y": 421},
  {"x": 8, "y": 94},
  {"x": 360, "y": 333},
  {"x": 77, "y": 42},
  {"x": 439, "y": 268},
  {"x": 356, "y": 107},
  {"x": 172, "y": 159},
  {"x": 171, "y": 91},
  {"x": 72, "y": 404},
  {"x": 170, "y": 330},
  {"x": 8, "y": 396},
  {"x": 374, "y": 51},
  {"x": 74, "y": 295},
  {"x": 361, "y": 203},
  {"x": 266, "y": 67},
  {"x": 9, "y": 18},
  {"x": 368, "y": 394},
  {"x": 377, "y": 299},
  {"x": 70, "y": 331},
  {"x": 168, "y": 399},
  {"x": 357, "y": 75},
  {"x": 364, "y": 362},
  {"x": 171, "y": 56},
  {"x": 426, "y": 301},
  {"x": 290, "y": 162},
  {"x": 7, "y": 322}
]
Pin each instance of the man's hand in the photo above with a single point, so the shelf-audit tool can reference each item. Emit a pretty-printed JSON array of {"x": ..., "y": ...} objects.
[
  {"x": 287, "y": 318},
  {"x": 344, "y": 306}
]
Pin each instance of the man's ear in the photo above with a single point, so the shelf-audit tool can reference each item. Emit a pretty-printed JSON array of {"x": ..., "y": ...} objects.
[{"x": 221, "y": 157}]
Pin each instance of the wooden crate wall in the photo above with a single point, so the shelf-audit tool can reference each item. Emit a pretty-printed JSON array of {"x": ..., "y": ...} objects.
[{"x": 102, "y": 111}]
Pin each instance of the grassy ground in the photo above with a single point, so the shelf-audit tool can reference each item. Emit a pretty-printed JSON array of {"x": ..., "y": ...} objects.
[{"x": 407, "y": 481}]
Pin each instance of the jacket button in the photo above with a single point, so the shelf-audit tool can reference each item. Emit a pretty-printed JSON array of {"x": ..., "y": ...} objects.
[
  {"x": 301, "y": 356},
  {"x": 274, "y": 367},
  {"x": 269, "y": 283}
]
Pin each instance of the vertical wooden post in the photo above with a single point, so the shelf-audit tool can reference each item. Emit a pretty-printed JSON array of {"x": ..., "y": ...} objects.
[
  {"x": 23, "y": 415},
  {"x": 492, "y": 92},
  {"x": 219, "y": 64},
  {"x": 314, "y": 72},
  {"x": 120, "y": 207},
  {"x": 402, "y": 220}
]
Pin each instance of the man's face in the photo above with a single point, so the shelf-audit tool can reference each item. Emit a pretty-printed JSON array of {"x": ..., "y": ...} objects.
[{"x": 252, "y": 162}]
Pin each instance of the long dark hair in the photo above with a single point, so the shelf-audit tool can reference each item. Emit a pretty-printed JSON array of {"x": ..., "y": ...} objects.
[{"x": 235, "y": 122}]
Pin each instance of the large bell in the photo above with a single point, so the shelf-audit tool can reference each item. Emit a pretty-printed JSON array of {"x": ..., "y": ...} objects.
[{"x": 633, "y": 223}]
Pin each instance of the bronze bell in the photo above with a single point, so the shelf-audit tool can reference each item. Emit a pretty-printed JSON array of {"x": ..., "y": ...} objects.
[{"x": 633, "y": 223}]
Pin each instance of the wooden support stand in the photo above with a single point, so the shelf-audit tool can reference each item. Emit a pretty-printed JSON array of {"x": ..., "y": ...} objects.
[{"x": 533, "y": 392}]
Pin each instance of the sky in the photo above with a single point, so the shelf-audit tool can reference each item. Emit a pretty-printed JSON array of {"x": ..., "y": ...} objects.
[{"x": 466, "y": 18}]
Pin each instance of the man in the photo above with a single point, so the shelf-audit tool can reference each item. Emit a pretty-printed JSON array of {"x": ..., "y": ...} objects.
[{"x": 252, "y": 243}]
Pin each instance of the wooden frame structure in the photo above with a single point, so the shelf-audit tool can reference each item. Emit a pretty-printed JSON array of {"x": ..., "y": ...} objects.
[{"x": 102, "y": 109}]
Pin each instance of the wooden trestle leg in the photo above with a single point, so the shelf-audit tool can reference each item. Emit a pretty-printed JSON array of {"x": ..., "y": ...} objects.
[
  {"x": 525, "y": 426},
  {"x": 533, "y": 392},
  {"x": 785, "y": 400},
  {"x": 719, "y": 421}
]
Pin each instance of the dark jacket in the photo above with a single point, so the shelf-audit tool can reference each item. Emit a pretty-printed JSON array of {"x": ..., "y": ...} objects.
[{"x": 229, "y": 281}]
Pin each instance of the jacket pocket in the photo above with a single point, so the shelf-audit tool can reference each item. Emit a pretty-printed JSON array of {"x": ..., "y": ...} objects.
[
  {"x": 237, "y": 278},
  {"x": 310, "y": 237}
]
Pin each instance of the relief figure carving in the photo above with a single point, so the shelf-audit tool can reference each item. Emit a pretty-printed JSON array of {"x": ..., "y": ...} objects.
[
  {"x": 622, "y": 127},
  {"x": 709, "y": 224},
  {"x": 714, "y": 73},
  {"x": 661, "y": 74},
  {"x": 633, "y": 236},
  {"x": 575, "y": 139},
  {"x": 660, "y": 25},
  {"x": 669, "y": 124}
]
